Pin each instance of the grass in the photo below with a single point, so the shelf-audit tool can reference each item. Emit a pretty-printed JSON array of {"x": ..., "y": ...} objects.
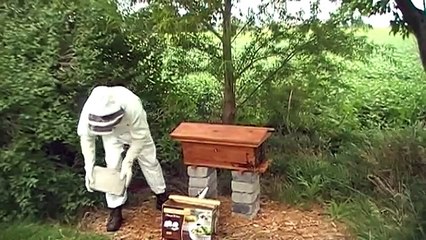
[
  {"x": 384, "y": 36},
  {"x": 370, "y": 210},
  {"x": 37, "y": 231},
  {"x": 389, "y": 205}
]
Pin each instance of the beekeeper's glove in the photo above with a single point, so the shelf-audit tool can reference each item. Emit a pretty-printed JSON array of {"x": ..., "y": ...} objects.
[
  {"x": 88, "y": 150},
  {"x": 89, "y": 178},
  {"x": 131, "y": 155}
]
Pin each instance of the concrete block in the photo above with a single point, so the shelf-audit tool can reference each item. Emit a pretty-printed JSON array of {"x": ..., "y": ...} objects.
[
  {"x": 249, "y": 177},
  {"x": 211, "y": 193},
  {"x": 245, "y": 187},
  {"x": 195, "y": 190},
  {"x": 247, "y": 210},
  {"x": 246, "y": 198},
  {"x": 199, "y": 172},
  {"x": 203, "y": 182}
]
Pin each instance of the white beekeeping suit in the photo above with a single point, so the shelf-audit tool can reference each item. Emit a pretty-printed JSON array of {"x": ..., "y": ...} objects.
[{"x": 117, "y": 115}]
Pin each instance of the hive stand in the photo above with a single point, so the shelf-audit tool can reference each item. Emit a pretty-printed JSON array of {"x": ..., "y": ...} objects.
[{"x": 240, "y": 149}]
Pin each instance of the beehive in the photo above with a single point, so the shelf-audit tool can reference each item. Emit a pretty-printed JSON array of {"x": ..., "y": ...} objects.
[{"x": 222, "y": 146}]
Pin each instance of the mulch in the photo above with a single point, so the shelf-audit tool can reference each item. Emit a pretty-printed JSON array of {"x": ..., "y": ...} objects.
[{"x": 274, "y": 221}]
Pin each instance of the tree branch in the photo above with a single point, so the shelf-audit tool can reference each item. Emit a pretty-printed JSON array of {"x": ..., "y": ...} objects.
[
  {"x": 252, "y": 62},
  {"x": 203, "y": 49},
  {"x": 215, "y": 54},
  {"x": 240, "y": 31},
  {"x": 287, "y": 59},
  {"x": 290, "y": 97},
  {"x": 211, "y": 29}
]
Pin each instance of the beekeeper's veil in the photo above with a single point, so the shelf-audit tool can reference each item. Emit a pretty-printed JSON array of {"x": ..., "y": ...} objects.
[{"x": 104, "y": 111}]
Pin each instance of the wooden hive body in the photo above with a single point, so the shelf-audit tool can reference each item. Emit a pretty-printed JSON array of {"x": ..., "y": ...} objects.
[{"x": 223, "y": 146}]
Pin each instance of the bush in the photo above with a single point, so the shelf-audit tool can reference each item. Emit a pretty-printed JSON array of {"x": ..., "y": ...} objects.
[
  {"x": 32, "y": 231},
  {"x": 364, "y": 156},
  {"x": 53, "y": 55},
  {"x": 383, "y": 174}
]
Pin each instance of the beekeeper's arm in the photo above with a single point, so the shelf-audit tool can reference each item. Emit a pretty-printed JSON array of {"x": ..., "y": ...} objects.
[
  {"x": 87, "y": 144},
  {"x": 138, "y": 131}
]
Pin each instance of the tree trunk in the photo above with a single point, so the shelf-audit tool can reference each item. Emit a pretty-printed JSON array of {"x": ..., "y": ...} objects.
[
  {"x": 229, "y": 106},
  {"x": 421, "y": 42},
  {"x": 416, "y": 21}
]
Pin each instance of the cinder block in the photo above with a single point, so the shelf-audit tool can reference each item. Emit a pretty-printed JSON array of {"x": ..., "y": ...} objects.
[
  {"x": 249, "y": 177},
  {"x": 245, "y": 187},
  {"x": 203, "y": 182},
  {"x": 246, "y": 198},
  {"x": 211, "y": 193},
  {"x": 199, "y": 172},
  {"x": 247, "y": 210}
]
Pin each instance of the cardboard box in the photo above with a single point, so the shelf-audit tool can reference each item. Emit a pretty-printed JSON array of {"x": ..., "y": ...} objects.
[{"x": 189, "y": 218}]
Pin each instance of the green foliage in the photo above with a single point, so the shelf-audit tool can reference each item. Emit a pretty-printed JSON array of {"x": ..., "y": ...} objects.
[
  {"x": 362, "y": 152},
  {"x": 368, "y": 8},
  {"x": 266, "y": 56},
  {"x": 53, "y": 55},
  {"x": 376, "y": 187},
  {"x": 31, "y": 231}
]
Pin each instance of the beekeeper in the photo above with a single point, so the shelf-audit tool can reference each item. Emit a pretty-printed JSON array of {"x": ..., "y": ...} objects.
[{"x": 117, "y": 115}]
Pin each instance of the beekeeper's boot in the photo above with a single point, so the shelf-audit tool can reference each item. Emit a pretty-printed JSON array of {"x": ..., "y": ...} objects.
[
  {"x": 161, "y": 199},
  {"x": 115, "y": 219}
]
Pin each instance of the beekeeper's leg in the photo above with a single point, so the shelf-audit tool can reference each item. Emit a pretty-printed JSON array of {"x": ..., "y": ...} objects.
[
  {"x": 150, "y": 166},
  {"x": 113, "y": 149}
]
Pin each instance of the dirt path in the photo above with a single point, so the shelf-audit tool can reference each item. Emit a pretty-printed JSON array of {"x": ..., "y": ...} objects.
[{"x": 274, "y": 221}]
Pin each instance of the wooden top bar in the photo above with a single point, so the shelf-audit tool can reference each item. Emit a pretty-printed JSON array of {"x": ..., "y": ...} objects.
[{"x": 221, "y": 134}]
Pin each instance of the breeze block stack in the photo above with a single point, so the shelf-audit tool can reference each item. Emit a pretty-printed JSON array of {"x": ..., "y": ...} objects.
[
  {"x": 200, "y": 178},
  {"x": 245, "y": 193}
]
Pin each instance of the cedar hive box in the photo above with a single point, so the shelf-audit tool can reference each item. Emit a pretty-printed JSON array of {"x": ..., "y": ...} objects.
[{"x": 231, "y": 147}]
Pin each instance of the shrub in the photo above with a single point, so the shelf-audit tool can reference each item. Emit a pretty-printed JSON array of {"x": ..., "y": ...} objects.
[
  {"x": 53, "y": 54},
  {"x": 383, "y": 174}
]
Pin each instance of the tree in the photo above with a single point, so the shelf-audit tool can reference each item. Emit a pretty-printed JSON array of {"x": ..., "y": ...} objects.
[
  {"x": 410, "y": 19},
  {"x": 229, "y": 107},
  {"x": 205, "y": 16},
  {"x": 273, "y": 44}
]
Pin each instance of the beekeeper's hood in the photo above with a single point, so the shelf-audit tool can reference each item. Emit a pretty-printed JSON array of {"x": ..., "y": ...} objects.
[{"x": 104, "y": 111}]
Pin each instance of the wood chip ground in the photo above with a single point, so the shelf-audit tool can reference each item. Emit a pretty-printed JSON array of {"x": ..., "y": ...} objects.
[{"x": 274, "y": 221}]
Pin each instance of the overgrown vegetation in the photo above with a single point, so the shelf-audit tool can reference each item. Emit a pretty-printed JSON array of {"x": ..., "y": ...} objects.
[
  {"x": 368, "y": 168},
  {"x": 32, "y": 231},
  {"x": 348, "y": 104}
]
